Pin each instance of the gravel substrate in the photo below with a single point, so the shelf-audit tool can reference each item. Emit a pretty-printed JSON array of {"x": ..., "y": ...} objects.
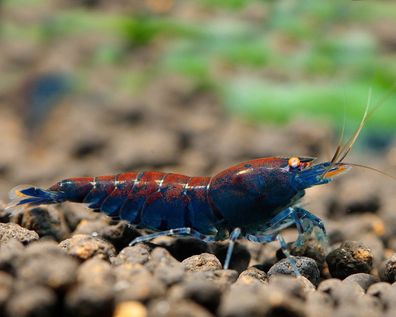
[{"x": 68, "y": 261}]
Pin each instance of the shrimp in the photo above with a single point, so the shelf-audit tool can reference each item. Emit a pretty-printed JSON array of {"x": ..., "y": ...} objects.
[{"x": 255, "y": 199}]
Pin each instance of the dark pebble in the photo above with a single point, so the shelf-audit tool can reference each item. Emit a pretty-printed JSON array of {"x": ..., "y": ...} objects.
[
  {"x": 240, "y": 258},
  {"x": 183, "y": 308},
  {"x": 253, "y": 276},
  {"x": 201, "y": 263},
  {"x": 137, "y": 254},
  {"x": 312, "y": 248},
  {"x": 204, "y": 293},
  {"x": 84, "y": 247},
  {"x": 32, "y": 301},
  {"x": 134, "y": 282},
  {"x": 183, "y": 248},
  {"x": 120, "y": 233},
  {"x": 306, "y": 266},
  {"x": 387, "y": 270},
  {"x": 13, "y": 231},
  {"x": 9, "y": 253},
  {"x": 364, "y": 280},
  {"x": 350, "y": 258},
  {"x": 46, "y": 221},
  {"x": 44, "y": 263}
]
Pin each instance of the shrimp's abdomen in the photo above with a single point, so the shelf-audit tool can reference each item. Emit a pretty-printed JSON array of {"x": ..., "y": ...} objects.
[{"x": 154, "y": 200}]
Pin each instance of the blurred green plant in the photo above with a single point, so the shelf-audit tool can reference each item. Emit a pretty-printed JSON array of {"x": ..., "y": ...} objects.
[{"x": 266, "y": 60}]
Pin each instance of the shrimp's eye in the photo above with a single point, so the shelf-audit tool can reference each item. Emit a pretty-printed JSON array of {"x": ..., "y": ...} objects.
[{"x": 294, "y": 162}]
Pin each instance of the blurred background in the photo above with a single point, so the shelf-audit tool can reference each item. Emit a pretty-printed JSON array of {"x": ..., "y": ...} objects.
[{"x": 91, "y": 87}]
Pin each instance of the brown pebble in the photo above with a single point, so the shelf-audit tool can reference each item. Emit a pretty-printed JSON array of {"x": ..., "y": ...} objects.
[
  {"x": 182, "y": 308},
  {"x": 134, "y": 282},
  {"x": 44, "y": 263},
  {"x": 165, "y": 267},
  {"x": 350, "y": 258},
  {"x": 253, "y": 276},
  {"x": 201, "y": 263},
  {"x": 13, "y": 231},
  {"x": 32, "y": 301},
  {"x": 137, "y": 254},
  {"x": 130, "y": 309},
  {"x": 120, "y": 234},
  {"x": 84, "y": 247},
  {"x": 222, "y": 278}
]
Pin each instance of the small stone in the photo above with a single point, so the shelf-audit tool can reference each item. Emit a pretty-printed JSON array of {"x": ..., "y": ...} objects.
[
  {"x": 84, "y": 247},
  {"x": 134, "y": 282},
  {"x": 32, "y": 301},
  {"x": 137, "y": 254},
  {"x": 387, "y": 271},
  {"x": 120, "y": 233},
  {"x": 362, "y": 279},
  {"x": 44, "y": 263},
  {"x": 13, "y": 231},
  {"x": 306, "y": 266},
  {"x": 341, "y": 293},
  {"x": 130, "y": 309},
  {"x": 296, "y": 288},
  {"x": 318, "y": 304},
  {"x": 182, "y": 308},
  {"x": 46, "y": 221},
  {"x": 311, "y": 248},
  {"x": 85, "y": 300},
  {"x": 222, "y": 278},
  {"x": 253, "y": 276},
  {"x": 95, "y": 272},
  {"x": 6, "y": 283},
  {"x": 202, "y": 263},
  {"x": 203, "y": 292},
  {"x": 243, "y": 300},
  {"x": 350, "y": 258},
  {"x": 165, "y": 267},
  {"x": 329, "y": 286},
  {"x": 384, "y": 292},
  {"x": 10, "y": 251}
]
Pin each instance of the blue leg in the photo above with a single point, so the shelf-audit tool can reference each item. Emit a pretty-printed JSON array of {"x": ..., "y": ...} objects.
[
  {"x": 272, "y": 237},
  {"x": 185, "y": 231},
  {"x": 233, "y": 236},
  {"x": 306, "y": 224}
]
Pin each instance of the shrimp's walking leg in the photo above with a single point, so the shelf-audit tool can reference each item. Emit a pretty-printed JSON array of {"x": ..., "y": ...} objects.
[
  {"x": 185, "y": 231},
  {"x": 233, "y": 236},
  {"x": 306, "y": 224},
  {"x": 272, "y": 237}
]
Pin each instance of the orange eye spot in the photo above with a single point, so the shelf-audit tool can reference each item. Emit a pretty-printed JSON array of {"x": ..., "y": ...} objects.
[{"x": 294, "y": 162}]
